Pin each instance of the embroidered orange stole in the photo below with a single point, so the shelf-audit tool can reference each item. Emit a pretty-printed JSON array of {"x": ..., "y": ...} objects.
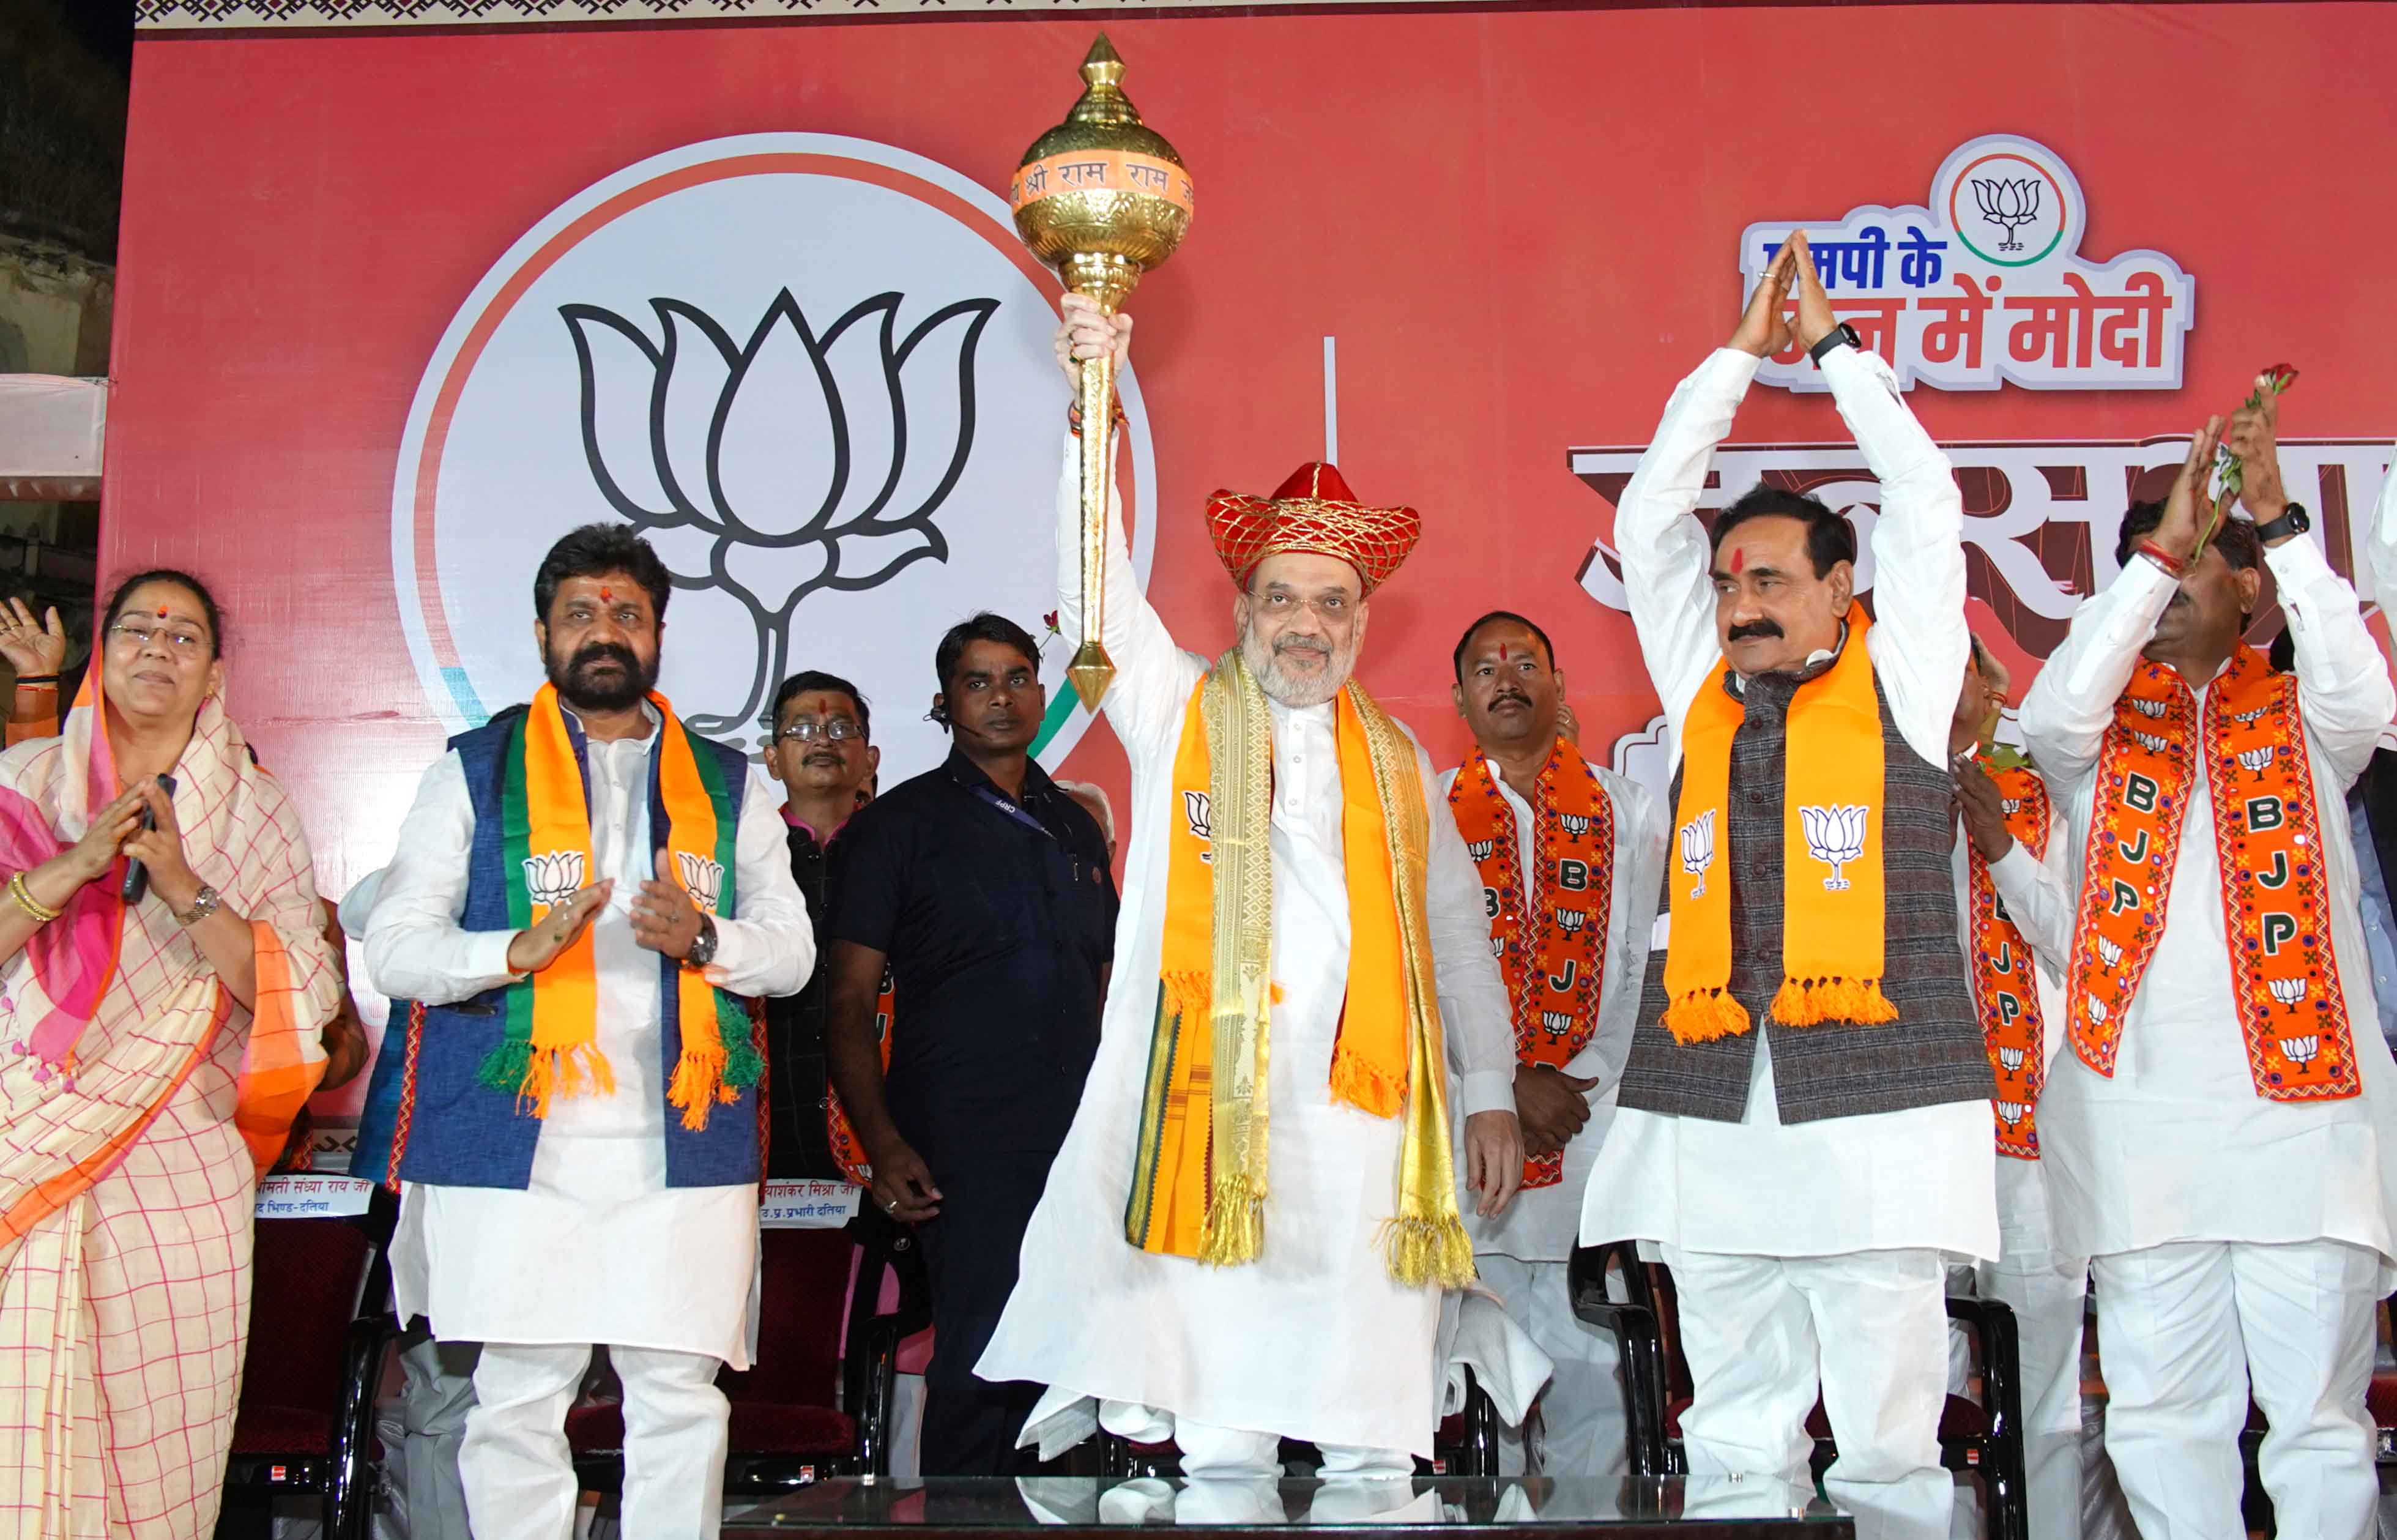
[
  {"x": 2005, "y": 976},
  {"x": 1554, "y": 959},
  {"x": 2267, "y": 840}
]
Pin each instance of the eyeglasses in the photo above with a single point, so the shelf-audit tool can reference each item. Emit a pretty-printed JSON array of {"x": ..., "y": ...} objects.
[
  {"x": 840, "y": 730},
  {"x": 1331, "y": 607},
  {"x": 186, "y": 644}
]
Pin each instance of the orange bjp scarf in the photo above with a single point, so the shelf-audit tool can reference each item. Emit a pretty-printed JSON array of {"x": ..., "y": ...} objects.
[
  {"x": 2268, "y": 846},
  {"x": 549, "y": 1047},
  {"x": 2005, "y": 980},
  {"x": 1831, "y": 887},
  {"x": 1199, "y": 1183},
  {"x": 1553, "y": 957}
]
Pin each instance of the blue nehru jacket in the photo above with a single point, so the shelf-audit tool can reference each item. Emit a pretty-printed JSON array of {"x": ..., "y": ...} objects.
[{"x": 428, "y": 1118}]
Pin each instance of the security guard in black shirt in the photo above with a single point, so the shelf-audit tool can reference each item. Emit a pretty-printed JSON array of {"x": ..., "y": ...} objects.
[{"x": 986, "y": 891}]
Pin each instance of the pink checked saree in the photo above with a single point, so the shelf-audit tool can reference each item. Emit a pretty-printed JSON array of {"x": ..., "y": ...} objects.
[{"x": 137, "y": 1104}]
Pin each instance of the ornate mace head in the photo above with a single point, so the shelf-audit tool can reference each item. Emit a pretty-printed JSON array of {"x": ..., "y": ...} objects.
[{"x": 1102, "y": 197}]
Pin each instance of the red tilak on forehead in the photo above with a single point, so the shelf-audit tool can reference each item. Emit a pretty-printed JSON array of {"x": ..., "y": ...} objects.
[
  {"x": 1502, "y": 653},
  {"x": 606, "y": 594},
  {"x": 1738, "y": 558},
  {"x": 162, "y": 611}
]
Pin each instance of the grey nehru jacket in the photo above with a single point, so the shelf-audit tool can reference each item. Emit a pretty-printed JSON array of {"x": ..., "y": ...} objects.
[{"x": 1934, "y": 1052}]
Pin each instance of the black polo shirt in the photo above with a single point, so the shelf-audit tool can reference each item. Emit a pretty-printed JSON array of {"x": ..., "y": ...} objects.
[{"x": 998, "y": 918}]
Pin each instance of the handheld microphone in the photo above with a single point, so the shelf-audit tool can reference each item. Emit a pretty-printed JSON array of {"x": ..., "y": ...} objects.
[{"x": 137, "y": 876}]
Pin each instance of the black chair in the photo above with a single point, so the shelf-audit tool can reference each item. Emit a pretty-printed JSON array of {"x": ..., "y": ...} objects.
[
  {"x": 1983, "y": 1437},
  {"x": 788, "y": 1428},
  {"x": 1639, "y": 1342},
  {"x": 318, "y": 1333}
]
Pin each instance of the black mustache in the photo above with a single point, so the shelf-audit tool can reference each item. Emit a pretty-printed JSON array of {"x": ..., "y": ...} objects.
[
  {"x": 1509, "y": 695},
  {"x": 614, "y": 652},
  {"x": 1755, "y": 629}
]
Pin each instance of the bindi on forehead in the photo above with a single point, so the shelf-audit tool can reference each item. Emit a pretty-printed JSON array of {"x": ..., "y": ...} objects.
[{"x": 606, "y": 594}]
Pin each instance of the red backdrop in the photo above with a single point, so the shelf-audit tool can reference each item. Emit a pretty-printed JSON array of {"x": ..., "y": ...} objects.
[{"x": 1522, "y": 227}]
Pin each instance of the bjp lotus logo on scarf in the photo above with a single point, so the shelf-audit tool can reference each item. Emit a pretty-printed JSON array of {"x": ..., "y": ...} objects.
[
  {"x": 1698, "y": 839},
  {"x": 1201, "y": 814},
  {"x": 813, "y": 372},
  {"x": 1835, "y": 835},
  {"x": 702, "y": 879},
  {"x": 553, "y": 877}
]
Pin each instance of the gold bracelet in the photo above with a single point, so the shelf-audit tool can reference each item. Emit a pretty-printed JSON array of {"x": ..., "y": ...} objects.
[{"x": 25, "y": 900}]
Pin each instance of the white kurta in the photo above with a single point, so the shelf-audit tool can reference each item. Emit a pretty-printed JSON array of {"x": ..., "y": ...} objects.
[
  {"x": 2177, "y": 1145},
  {"x": 1922, "y": 1178},
  {"x": 598, "y": 1249},
  {"x": 1313, "y": 1340},
  {"x": 1542, "y": 1224}
]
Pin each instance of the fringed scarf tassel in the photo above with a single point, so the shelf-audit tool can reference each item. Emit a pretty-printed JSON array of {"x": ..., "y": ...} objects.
[
  {"x": 714, "y": 1073},
  {"x": 1704, "y": 1015},
  {"x": 1236, "y": 1221},
  {"x": 1429, "y": 1251},
  {"x": 1366, "y": 1086},
  {"x": 1811, "y": 1003},
  {"x": 536, "y": 1073}
]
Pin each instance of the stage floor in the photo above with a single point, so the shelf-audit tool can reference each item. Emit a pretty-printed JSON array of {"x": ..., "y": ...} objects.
[{"x": 1525, "y": 1509}]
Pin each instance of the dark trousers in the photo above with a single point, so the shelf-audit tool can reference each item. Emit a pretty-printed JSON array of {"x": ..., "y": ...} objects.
[{"x": 970, "y": 1251}]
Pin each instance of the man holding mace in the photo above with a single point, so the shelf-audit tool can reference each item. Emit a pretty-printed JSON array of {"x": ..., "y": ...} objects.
[
  {"x": 1302, "y": 943},
  {"x": 1804, "y": 1129},
  {"x": 1569, "y": 855}
]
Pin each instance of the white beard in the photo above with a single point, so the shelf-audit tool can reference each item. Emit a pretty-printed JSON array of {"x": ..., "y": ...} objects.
[{"x": 1296, "y": 690}]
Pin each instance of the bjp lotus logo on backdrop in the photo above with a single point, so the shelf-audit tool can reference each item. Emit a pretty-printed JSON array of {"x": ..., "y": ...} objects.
[
  {"x": 778, "y": 479},
  {"x": 813, "y": 372}
]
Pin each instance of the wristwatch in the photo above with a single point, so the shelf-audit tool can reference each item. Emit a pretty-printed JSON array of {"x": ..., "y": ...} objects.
[
  {"x": 204, "y": 904},
  {"x": 1841, "y": 335},
  {"x": 2293, "y": 520},
  {"x": 703, "y": 946}
]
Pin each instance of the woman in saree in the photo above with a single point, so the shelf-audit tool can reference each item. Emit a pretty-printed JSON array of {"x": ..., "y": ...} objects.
[{"x": 152, "y": 1057}]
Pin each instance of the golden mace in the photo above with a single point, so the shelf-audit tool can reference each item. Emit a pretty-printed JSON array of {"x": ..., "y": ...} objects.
[{"x": 1101, "y": 198}]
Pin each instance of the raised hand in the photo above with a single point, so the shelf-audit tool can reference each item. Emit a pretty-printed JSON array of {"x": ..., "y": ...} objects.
[
  {"x": 30, "y": 647},
  {"x": 2252, "y": 436},
  {"x": 1763, "y": 330},
  {"x": 1815, "y": 318},
  {"x": 2189, "y": 510},
  {"x": 1084, "y": 333},
  {"x": 538, "y": 946}
]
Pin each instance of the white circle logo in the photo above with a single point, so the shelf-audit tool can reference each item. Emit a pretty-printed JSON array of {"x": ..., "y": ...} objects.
[{"x": 814, "y": 373}]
